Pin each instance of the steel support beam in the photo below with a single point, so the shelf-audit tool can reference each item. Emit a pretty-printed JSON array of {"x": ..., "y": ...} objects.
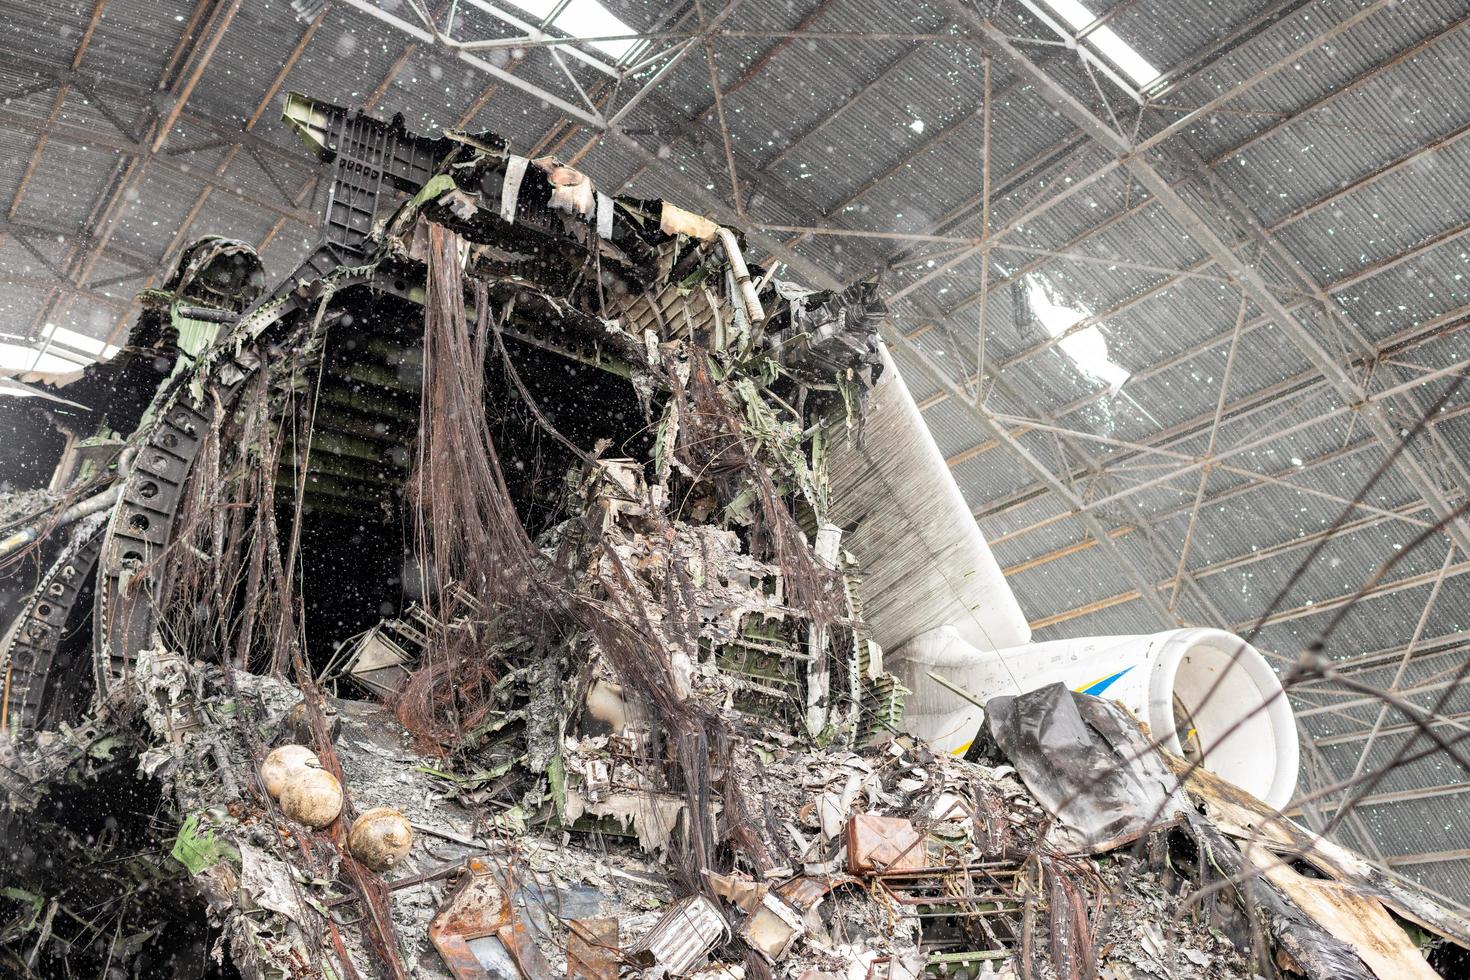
[
  {"x": 1320, "y": 293},
  {"x": 1231, "y": 564},
  {"x": 535, "y": 35},
  {"x": 82, "y": 260},
  {"x": 215, "y": 30},
  {"x": 1199, "y": 227},
  {"x": 33, "y": 229},
  {"x": 1402, "y": 796},
  {"x": 66, "y": 289},
  {"x": 1363, "y": 595},
  {"x": 1260, "y": 75},
  {"x": 62, "y": 90},
  {"x": 1270, "y": 398},
  {"x": 425, "y": 36},
  {"x": 1338, "y": 91},
  {"x": 1446, "y": 645},
  {"x": 688, "y": 126},
  {"x": 1427, "y": 857},
  {"x": 1349, "y": 738},
  {"x": 1205, "y": 55}
]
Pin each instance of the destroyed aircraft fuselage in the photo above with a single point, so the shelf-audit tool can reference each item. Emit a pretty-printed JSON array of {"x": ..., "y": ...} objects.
[
  {"x": 536, "y": 480},
  {"x": 326, "y": 431},
  {"x": 595, "y": 294}
]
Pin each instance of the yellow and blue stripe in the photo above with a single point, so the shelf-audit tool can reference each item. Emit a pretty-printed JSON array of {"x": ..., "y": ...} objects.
[{"x": 1102, "y": 683}]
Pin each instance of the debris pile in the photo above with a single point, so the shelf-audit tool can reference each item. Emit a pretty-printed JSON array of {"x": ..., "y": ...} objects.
[{"x": 475, "y": 605}]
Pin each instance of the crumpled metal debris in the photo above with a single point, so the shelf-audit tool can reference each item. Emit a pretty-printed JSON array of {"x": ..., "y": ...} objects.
[
  {"x": 478, "y": 933},
  {"x": 682, "y": 937}
]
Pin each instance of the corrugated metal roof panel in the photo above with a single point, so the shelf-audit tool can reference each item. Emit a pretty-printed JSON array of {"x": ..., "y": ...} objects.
[
  {"x": 134, "y": 38},
  {"x": 46, "y": 31},
  {"x": 82, "y": 175},
  {"x": 1324, "y": 69}
]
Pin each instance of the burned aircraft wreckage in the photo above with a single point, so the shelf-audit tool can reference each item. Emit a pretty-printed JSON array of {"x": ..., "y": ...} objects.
[{"x": 527, "y": 586}]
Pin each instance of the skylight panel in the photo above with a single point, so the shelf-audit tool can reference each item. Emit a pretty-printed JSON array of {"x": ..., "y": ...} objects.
[
  {"x": 583, "y": 18},
  {"x": 71, "y": 340},
  {"x": 1106, "y": 41},
  {"x": 19, "y": 357},
  {"x": 65, "y": 350},
  {"x": 588, "y": 18},
  {"x": 1122, "y": 54}
]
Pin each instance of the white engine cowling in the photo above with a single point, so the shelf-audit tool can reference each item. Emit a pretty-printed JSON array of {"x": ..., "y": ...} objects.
[
  {"x": 1165, "y": 679},
  {"x": 936, "y": 599}
]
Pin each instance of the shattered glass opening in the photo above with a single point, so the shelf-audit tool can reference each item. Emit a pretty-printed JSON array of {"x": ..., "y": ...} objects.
[{"x": 1087, "y": 348}]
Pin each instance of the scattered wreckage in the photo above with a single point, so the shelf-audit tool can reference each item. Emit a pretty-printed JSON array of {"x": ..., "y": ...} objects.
[{"x": 527, "y": 586}]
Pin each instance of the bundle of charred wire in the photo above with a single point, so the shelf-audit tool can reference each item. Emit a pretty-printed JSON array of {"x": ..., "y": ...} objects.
[
  {"x": 232, "y": 599},
  {"x": 465, "y": 525},
  {"x": 468, "y": 532},
  {"x": 710, "y": 445}
]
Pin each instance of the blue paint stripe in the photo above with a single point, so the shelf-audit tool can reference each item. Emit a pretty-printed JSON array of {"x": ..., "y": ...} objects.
[{"x": 1102, "y": 685}]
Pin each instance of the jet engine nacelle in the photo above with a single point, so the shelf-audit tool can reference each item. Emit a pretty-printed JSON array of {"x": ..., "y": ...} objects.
[
  {"x": 937, "y": 600},
  {"x": 1244, "y": 731}
]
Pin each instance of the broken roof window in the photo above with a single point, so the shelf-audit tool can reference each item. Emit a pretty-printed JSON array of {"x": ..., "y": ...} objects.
[
  {"x": 68, "y": 343},
  {"x": 58, "y": 350},
  {"x": 584, "y": 19},
  {"x": 19, "y": 357},
  {"x": 1105, "y": 40},
  {"x": 1087, "y": 348}
]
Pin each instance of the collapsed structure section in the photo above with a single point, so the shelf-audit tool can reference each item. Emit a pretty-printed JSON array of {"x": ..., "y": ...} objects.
[{"x": 541, "y": 523}]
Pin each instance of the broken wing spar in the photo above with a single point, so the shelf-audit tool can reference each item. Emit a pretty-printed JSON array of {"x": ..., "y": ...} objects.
[{"x": 937, "y": 601}]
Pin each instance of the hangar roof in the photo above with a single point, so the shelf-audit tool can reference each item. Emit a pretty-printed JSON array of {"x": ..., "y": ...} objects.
[{"x": 1207, "y": 260}]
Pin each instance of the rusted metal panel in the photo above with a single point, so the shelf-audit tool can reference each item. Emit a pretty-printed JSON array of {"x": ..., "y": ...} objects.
[
  {"x": 592, "y": 949},
  {"x": 876, "y": 844},
  {"x": 476, "y": 909},
  {"x": 479, "y": 910}
]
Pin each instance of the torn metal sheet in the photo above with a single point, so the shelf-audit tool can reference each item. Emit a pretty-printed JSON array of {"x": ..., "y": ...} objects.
[
  {"x": 18, "y": 389},
  {"x": 1298, "y": 942},
  {"x": 1245, "y": 818},
  {"x": 1358, "y": 920},
  {"x": 510, "y": 189},
  {"x": 478, "y": 933},
  {"x": 883, "y": 844},
  {"x": 772, "y": 927}
]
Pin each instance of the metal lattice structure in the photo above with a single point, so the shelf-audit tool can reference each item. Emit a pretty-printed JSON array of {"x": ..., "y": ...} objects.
[{"x": 1165, "y": 329}]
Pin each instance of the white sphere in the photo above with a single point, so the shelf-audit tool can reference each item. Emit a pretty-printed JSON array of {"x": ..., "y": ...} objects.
[
  {"x": 380, "y": 838},
  {"x": 312, "y": 797},
  {"x": 283, "y": 763}
]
